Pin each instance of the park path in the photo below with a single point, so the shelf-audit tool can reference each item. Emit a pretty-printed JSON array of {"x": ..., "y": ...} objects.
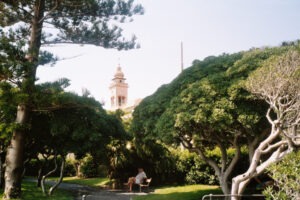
[{"x": 92, "y": 193}]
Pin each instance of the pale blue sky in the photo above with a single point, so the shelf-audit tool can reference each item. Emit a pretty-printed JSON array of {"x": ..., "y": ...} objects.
[{"x": 206, "y": 27}]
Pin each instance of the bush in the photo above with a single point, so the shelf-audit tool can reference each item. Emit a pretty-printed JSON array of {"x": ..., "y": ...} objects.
[
  {"x": 286, "y": 176},
  {"x": 193, "y": 169},
  {"x": 69, "y": 168},
  {"x": 88, "y": 168},
  {"x": 167, "y": 165},
  {"x": 196, "y": 171},
  {"x": 201, "y": 173},
  {"x": 34, "y": 166}
]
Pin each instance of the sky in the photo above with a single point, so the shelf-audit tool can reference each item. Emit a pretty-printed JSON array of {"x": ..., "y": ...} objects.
[{"x": 205, "y": 27}]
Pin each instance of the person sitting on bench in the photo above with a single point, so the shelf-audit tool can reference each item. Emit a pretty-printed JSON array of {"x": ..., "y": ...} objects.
[{"x": 140, "y": 177}]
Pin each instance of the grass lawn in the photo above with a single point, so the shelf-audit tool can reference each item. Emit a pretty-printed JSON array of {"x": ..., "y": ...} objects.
[
  {"x": 93, "y": 182},
  {"x": 31, "y": 192},
  {"x": 189, "y": 192}
]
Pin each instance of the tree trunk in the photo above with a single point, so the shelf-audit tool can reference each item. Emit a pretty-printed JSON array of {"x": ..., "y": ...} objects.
[
  {"x": 1, "y": 172},
  {"x": 221, "y": 172},
  {"x": 24, "y": 167},
  {"x": 253, "y": 142},
  {"x": 224, "y": 185},
  {"x": 14, "y": 157},
  {"x": 256, "y": 167},
  {"x": 40, "y": 172},
  {"x": 39, "y": 177},
  {"x": 15, "y": 152},
  {"x": 48, "y": 174},
  {"x": 78, "y": 169},
  {"x": 51, "y": 190}
]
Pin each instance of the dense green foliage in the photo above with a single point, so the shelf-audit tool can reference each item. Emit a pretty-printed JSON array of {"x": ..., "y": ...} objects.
[
  {"x": 72, "y": 21},
  {"x": 88, "y": 167},
  {"x": 192, "y": 170},
  {"x": 61, "y": 128},
  {"x": 63, "y": 120},
  {"x": 24, "y": 27},
  {"x": 286, "y": 176},
  {"x": 34, "y": 165},
  {"x": 276, "y": 81},
  {"x": 208, "y": 105},
  {"x": 156, "y": 160},
  {"x": 220, "y": 77}
]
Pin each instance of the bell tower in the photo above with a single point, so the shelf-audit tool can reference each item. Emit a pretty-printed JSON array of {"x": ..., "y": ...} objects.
[{"x": 119, "y": 90}]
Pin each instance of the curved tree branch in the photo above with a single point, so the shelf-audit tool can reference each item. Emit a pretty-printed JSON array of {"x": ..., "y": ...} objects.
[
  {"x": 49, "y": 173},
  {"x": 51, "y": 11},
  {"x": 51, "y": 190}
]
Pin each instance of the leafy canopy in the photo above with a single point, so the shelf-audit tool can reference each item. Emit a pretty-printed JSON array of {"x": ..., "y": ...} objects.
[{"x": 81, "y": 21}]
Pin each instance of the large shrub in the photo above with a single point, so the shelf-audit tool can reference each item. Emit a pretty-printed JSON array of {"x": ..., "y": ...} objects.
[
  {"x": 192, "y": 170},
  {"x": 201, "y": 173},
  {"x": 286, "y": 176},
  {"x": 88, "y": 168},
  {"x": 69, "y": 168},
  {"x": 33, "y": 167}
]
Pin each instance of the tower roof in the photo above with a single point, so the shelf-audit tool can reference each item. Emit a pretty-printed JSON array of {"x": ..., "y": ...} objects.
[{"x": 119, "y": 74}]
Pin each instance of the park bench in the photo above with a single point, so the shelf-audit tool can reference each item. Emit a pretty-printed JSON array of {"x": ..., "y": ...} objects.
[{"x": 145, "y": 184}]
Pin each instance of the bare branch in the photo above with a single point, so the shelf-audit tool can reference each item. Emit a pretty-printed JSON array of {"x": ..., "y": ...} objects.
[
  {"x": 51, "y": 11},
  {"x": 187, "y": 144},
  {"x": 223, "y": 155},
  {"x": 275, "y": 157},
  {"x": 236, "y": 157},
  {"x": 269, "y": 117},
  {"x": 277, "y": 82},
  {"x": 273, "y": 146}
]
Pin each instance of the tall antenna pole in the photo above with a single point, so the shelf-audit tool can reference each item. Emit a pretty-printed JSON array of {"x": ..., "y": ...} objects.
[
  {"x": 119, "y": 62},
  {"x": 181, "y": 56}
]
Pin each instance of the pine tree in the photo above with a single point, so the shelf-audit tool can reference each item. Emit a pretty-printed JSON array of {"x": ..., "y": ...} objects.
[{"x": 26, "y": 25}]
